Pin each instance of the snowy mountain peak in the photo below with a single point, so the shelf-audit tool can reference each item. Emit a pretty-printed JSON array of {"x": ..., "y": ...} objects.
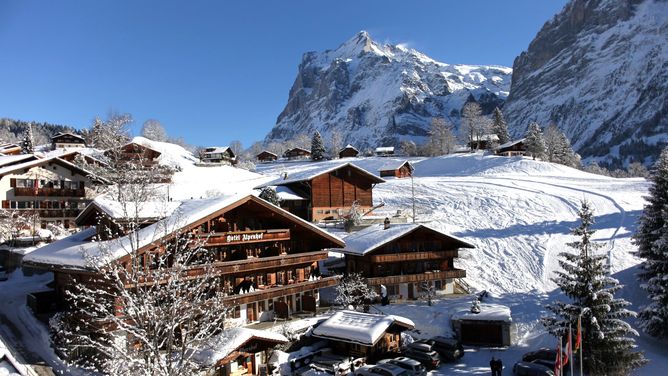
[{"x": 372, "y": 93}]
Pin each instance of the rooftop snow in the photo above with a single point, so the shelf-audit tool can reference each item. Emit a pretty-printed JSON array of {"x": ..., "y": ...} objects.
[
  {"x": 488, "y": 312},
  {"x": 145, "y": 210},
  {"x": 375, "y": 236},
  {"x": 317, "y": 169},
  {"x": 6, "y": 160},
  {"x": 510, "y": 143},
  {"x": 385, "y": 149},
  {"x": 391, "y": 166},
  {"x": 356, "y": 327},
  {"x": 230, "y": 340},
  {"x": 287, "y": 194},
  {"x": 36, "y": 162}
]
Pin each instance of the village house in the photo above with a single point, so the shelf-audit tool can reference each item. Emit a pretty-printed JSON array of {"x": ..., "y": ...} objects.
[
  {"x": 266, "y": 156},
  {"x": 134, "y": 153},
  {"x": 10, "y": 149},
  {"x": 51, "y": 188},
  {"x": 404, "y": 258},
  {"x": 318, "y": 194},
  {"x": 297, "y": 153},
  {"x": 512, "y": 148},
  {"x": 397, "y": 169},
  {"x": 66, "y": 140},
  {"x": 266, "y": 259},
  {"x": 483, "y": 142},
  {"x": 384, "y": 151},
  {"x": 348, "y": 152},
  {"x": 365, "y": 335},
  {"x": 219, "y": 154}
]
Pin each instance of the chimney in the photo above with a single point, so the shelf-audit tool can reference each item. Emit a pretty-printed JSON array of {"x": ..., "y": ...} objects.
[{"x": 386, "y": 223}]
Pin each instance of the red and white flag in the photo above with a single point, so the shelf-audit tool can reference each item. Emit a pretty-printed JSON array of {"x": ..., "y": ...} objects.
[
  {"x": 557, "y": 361},
  {"x": 578, "y": 336}
]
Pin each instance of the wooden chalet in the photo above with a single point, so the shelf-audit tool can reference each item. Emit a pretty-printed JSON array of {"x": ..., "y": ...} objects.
[
  {"x": 134, "y": 152},
  {"x": 399, "y": 169},
  {"x": 349, "y": 152},
  {"x": 512, "y": 148},
  {"x": 297, "y": 153},
  {"x": 51, "y": 188},
  {"x": 10, "y": 149},
  {"x": 62, "y": 140},
  {"x": 266, "y": 156},
  {"x": 267, "y": 258},
  {"x": 219, "y": 154},
  {"x": 384, "y": 151},
  {"x": 483, "y": 142},
  {"x": 403, "y": 257},
  {"x": 327, "y": 193},
  {"x": 363, "y": 334}
]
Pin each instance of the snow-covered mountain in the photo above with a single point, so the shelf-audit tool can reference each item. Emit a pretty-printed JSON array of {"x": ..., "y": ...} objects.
[
  {"x": 375, "y": 94},
  {"x": 599, "y": 69}
]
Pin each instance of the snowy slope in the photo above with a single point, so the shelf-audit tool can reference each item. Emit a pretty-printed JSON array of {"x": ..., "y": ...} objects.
[
  {"x": 599, "y": 69},
  {"x": 375, "y": 94}
]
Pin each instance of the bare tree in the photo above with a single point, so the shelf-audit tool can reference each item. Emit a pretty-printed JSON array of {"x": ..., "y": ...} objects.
[
  {"x": 335, "y": 143},
  {"x": 473, "y": 127},
  {"x": 408, "y": 148},
  {"x": 153, "y": 130},
  {"x": 112, "y": 132},
  {"x": 441, "y": 138},
  {"x": 237, "y": 147},
  {"x": 353, "y": 291}
]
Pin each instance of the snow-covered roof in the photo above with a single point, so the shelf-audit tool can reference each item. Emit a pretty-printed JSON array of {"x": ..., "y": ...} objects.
[
  {"x": 287, "y": 194},
  {"x": 6, "y": 160},
  {"x": 266, "y": 152},
  {"x": 356, "y": 327},
  {"x": 78, "y": 252},
  {"x": 60, "y": 134},
  {"x": 317, "y": 170},
  {"x": 143, "y": 211},
  {"x": 37, "y": 162},
  {"x": 486, "y": 137},
  {"x": 510, "y": 143},
  {"x": 348, "y": 147},
  {"x": 216, "y": 149},
  {"x": 298, "y": 149},
  {"x": 11, "y": 364},
  {"x": 230, "y": 340},
  {"x": 488, "y": 312},
  {"x": 385, "y": 149},
  {"x": 375, "y": 236},
  {"x": 394, "y": 165}
]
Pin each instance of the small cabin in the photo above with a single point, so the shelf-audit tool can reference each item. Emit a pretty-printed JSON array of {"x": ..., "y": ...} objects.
[
  {"x": 349, "y": 152},
  {"x": 10, "y": 149},
  {"x": 64, "y": 140},
  {"x": 266, "y": 156},
  {"x": 297, "y": 153},
  {"x": 363, "y": 334},
  {"x": 400, "y": 169},
  {"x": 218, "y": 154},
  {"x": 490, "y": 326},
  {"x": 134, "y": 152},
  {"x": 483, "y": 142},
  {"x": 384, "y": 151},
  {"x": 512, "y": 148}
]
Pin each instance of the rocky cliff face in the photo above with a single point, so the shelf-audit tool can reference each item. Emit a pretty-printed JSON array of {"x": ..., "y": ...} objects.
[
  {"x": 599, "y": 69},
  {"x": 377, "y": 95}
]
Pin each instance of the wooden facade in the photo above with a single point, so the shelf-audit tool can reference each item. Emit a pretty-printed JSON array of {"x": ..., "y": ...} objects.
[
  {"x": 67, "y": 140},
  {"x": 406, "y": 263},
  {"x": 219, "y": 154},
  {"x": 331, "y": 194},
  {"x": 348, "y": 152},
  {"x": 135, "y": 153},
  {"x": 266, "y": 156},
  {"x": 10, "y": 149},
  {"x": 297, "y": 153},
  {"x": 511, "y": 149},
  {"x": 399, "y": 170},
  {"x": 262, "y": 256}
]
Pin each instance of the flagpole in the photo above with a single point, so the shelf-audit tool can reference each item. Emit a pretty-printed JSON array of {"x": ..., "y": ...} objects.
[
  {"x": 570, "y": 346},
  {"x": 581, "y": 343}
]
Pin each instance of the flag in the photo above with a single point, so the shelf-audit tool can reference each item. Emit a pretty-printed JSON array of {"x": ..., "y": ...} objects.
[
  {"x": 567, "y": 353},
  {"x": 578, "y": 337},
  {"x": 557, "y": 361}
]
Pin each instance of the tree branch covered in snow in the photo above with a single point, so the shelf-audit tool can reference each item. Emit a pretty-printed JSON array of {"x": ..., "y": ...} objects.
[{"x": 353, "y": 291}]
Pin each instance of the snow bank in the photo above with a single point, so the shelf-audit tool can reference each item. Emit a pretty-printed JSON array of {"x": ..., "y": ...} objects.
[{"x": 488, "y": 312}]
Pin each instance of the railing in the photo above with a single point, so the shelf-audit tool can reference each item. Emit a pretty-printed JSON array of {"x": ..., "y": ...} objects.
[
  {"x": 412, "y": 278},
  {"x": 56, "y": 213},
  {"x": 260, "y": 263},
  {"x": 278, "y": 291},
  {"x": 49, "y": 192},
  {"x": 413, "y": 256}
]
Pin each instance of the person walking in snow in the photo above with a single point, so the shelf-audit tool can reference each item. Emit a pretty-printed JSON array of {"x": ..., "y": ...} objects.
[{"x": 492, "y": 366}]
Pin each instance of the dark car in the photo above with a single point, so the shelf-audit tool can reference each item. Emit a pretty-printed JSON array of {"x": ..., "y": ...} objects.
[
  {"x": 531, "y": 369},
  {"x": 450, "y": 349},
  {"x": 550, "y": 364},
  {"x": 414, "y": 367},
  {"x": 544, "y": 354},
  {"x": 429, "y": 359}
]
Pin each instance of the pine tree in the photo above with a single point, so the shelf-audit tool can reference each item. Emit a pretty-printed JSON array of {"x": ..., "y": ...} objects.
[
  {"x": 652, "y": 241},
  {"x": 269, "y": 194},
  {"x": 534, "y": 142},
  {"x": 607, "y": 345},
  {"x": 317, "y": 147},
  {"x": 558, "y": 148},
  {"x": 499, "y": 126},
  {"x": 27, "y": 145}
]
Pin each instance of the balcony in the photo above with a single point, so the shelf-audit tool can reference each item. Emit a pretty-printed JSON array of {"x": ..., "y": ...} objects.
[
  {"x": 49, "y": 192},
  {"x": 415, "y": 278},
  {"x": 413, "y": 256},
  {"x": 278, "y": 291},
  {"x": 58, "y": 213},
  {"x": 261, "y": 264}
]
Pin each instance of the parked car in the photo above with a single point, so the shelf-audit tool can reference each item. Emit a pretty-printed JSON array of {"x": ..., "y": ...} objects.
[
  {"x": 531, "y": 369},
  {"x": 544, "y": 353},
  {"x": 414, "y": 367},
  {"x": 3, "y": 274},
  {"x": 550, "y": 364},
  {"x": 429, "y": 359},
  {"x": 450, "y": 349},
  {"x": 381, "y": 369}
]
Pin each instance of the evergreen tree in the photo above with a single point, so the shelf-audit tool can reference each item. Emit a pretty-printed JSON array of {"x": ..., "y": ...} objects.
[
  {"x": 558, "y": 148},
  {"x": 27, "y": 145},
  {"x": 652, "y": 241},
  {"x": 317, "y": 147},
  {"x": 607, "y": 345},
  {"x": 499, "y": 126},
  {"x": 534, "y": 141},
  {"x": 269, "y": 194}
]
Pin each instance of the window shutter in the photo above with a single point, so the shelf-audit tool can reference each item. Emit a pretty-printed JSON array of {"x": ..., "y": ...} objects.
[
  {"x": 81, "y": 185},
  {"x": 12, "y": 183},
  {"x": 5, "y": 204}
]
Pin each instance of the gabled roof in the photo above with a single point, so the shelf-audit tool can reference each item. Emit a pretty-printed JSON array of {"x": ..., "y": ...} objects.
[
  {"x": 510, "y": 143},
  {"x": 376, "y": 236},
  {"x": 361, "y": 328},
  {"x": 135, "y": 142},
  {"x": 8, "y": 160},
  {"x": 222, "y": 345},
  {"x": 146, "y": 211},
  {"x": 297, "y": 149},
  {"x": 38, "y": 162},
  {"x": 218, "y": 150},
  {"x": 395, "y": 165},
  {"x": 349, "y": 147},
  {"x": 267, "y": 152},
  {"x": 76, "y": 252},
  {"x": 317, "y": 170},
  {"x": 5, "y": 147},
  {"x": 60, "y": 134},
  {"x": 287, "y": 194}
]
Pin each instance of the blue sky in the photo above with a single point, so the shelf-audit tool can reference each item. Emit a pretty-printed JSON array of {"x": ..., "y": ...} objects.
[{"x": 216, "y": 71}]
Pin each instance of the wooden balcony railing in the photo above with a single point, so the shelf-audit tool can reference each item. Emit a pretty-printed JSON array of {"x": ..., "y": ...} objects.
[
  {"x": 59, "y": 213},
  {"x": 278, "y": 291},
  {"x": 261, "y": 263},
  {"x": 49, "y": 192},
  {"x": 413, "y": 278},
  {"x": 413, "y": 256}
]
